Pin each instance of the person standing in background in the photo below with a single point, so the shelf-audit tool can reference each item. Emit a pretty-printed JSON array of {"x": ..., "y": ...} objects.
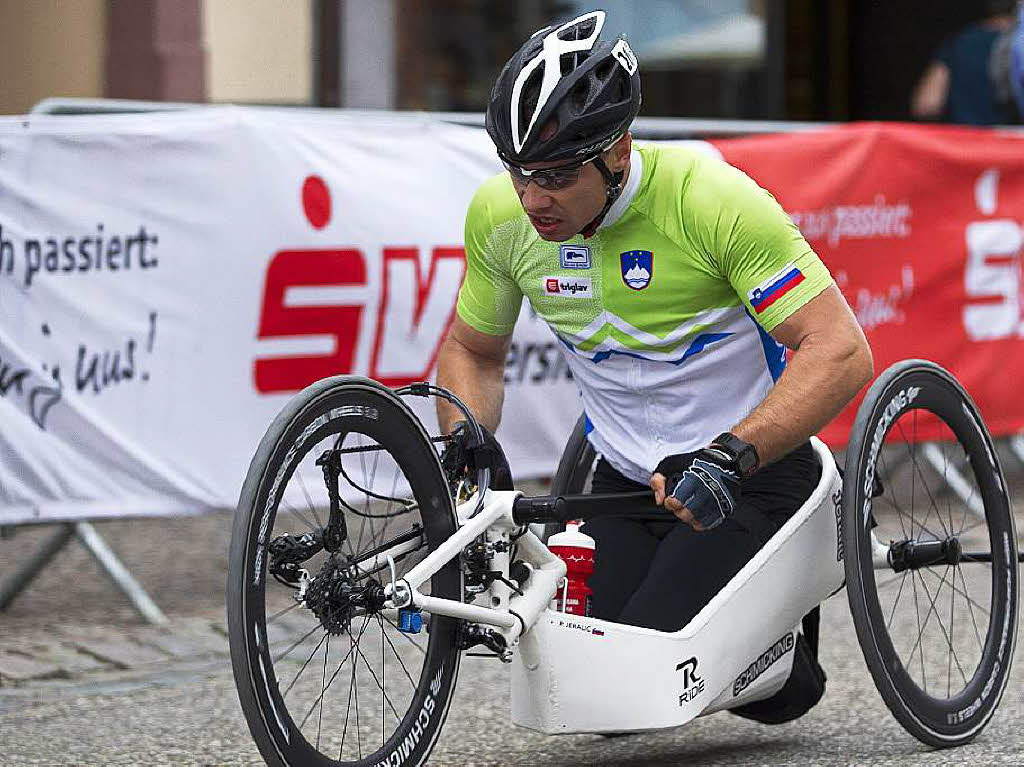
[
  {"x": 1007, "y": 65},
  {"x": 957, "y": 86}
]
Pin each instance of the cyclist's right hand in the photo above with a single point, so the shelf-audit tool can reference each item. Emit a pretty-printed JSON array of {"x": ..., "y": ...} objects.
[{"x": 463, "y": 457}]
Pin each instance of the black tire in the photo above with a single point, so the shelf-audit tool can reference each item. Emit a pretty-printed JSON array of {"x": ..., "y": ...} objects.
[
  {"x": 285, "y": 713},
  {"x": 576, "y": 465},
  {"x": 574, "y": 472},
  {"x": 916, "y": 426}
]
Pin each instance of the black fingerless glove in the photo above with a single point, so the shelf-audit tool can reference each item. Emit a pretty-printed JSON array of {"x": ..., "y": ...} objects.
[
  {"x": 465, "y": 455},
  {"x": 706, "y": 482}
]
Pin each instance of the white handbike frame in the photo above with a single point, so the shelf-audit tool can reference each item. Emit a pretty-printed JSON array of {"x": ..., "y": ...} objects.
[{"x": 574, "y": 674}]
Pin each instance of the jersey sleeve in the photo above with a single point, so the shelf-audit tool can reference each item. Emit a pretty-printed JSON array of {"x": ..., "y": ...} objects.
[
  {"x": 759, "y": 249},
  {"x": 489, "y": 299}
]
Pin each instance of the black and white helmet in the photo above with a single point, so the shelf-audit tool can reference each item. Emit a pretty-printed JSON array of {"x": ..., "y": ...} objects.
[{"x": 591, "y": 89}]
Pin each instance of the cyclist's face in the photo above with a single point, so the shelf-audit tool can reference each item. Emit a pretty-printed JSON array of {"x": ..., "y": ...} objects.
[{"x": 558, "y": 214}]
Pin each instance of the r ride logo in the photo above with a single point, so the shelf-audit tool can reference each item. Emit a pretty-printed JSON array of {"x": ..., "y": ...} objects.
[{"x": 693, "y": 685}]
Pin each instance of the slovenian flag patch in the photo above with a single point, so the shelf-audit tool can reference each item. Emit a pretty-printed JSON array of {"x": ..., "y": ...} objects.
[{"x": 775, "y": 287}]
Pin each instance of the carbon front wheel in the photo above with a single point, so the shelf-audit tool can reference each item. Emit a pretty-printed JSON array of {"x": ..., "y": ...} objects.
[
  {"x": 345, "y": 486},
  {"x": 931, "y": 553}
]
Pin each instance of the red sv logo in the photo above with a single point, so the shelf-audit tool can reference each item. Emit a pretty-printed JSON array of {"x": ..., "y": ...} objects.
[{"x": 412, "y": 318}]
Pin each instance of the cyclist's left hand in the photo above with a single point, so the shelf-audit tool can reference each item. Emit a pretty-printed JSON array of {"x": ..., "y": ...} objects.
[{"x": 700, "y": 488}]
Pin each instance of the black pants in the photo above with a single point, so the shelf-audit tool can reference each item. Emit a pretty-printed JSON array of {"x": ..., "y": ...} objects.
[{"x": 660, "y": 574}]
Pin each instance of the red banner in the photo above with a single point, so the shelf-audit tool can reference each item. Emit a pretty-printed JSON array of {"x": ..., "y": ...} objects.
[{"x": 921, "y": 228}]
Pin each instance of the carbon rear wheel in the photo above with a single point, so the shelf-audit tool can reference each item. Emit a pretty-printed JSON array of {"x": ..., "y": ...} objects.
[
  {"x": 326, "y": 673},
  {"x": 931, "y": 553}
]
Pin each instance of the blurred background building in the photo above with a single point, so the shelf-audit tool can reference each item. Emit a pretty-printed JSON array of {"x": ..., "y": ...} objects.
[{"x": 766, "y": 59}]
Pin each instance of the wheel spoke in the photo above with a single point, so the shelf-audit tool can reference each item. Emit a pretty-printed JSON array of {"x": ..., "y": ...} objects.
[
  {"x": 348, "y": 709},
  {"x": 375, "y": 679},
  {"x": 938, "y": 619},
  {"x": 970, "y": 607},
  {"x": 363, "y": 519},
  {"x": 309, "y": 499},
  {"x": 949, "y": 660},
  {"x": 913, "y": 471},
  {"x": 887, "y": 479},
  {"x": 323, "y": 689},
  {"x": 282, "y": 611},
  {"x": 962, "y": 592},
  {"x": 303, "y": 667},
  {"x": 920, "y": 632},
  {"x": 891, "y": 497},
  {"x": 292, "y": 510},
  {"x": 375, "y": 541},
  {"x": 399, "y": 657},
  {"x": 408, "y": 638},
  {"x": 297, "y": 642},
  {"x": 978, "y": 523},
  {"x": 945, "y": 472},
  {"x": 967, "y": 514},
  {"x": 927, "y": 617},
  {"x": 359, "y": 736},
  {"x": 916, "y": 472},
  {"x": 903, "y": 582},
  {"x": 334, "y": 676},
  {"x": 902, "y": 515}
]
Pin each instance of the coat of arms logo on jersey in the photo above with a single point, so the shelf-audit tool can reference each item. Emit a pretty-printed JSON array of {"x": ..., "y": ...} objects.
[{"x": 637, "y": 268}]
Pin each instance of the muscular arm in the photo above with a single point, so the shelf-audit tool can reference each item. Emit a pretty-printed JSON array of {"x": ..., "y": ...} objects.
[
  {"x": 831, "y": 361},
  {"x": 471, "y": 364}
]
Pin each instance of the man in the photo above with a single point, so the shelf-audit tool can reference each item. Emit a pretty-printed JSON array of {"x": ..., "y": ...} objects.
[
  {"x": 958, "y": 82},
  {"x": 1006, "y": 65},
  {"x": 689, "y": 281}
]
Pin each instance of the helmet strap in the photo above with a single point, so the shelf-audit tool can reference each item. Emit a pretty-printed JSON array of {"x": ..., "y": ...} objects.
[{"x": 612, "y": 190}]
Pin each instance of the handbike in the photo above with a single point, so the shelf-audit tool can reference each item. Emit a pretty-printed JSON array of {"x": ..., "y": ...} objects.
[{"x": 358, "y": 578}]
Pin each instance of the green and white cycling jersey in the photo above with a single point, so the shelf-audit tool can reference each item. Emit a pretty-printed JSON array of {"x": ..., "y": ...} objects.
[{"x": 663, "y": 314}]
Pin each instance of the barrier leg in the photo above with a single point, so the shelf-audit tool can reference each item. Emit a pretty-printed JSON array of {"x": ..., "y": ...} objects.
[
  {"x": 1017, "y": 446},
  {"x": 954, "y": 479},
  {"x": 949, "y": 475},
  {"x": 118, "y": 573},
  {"x": 14, "y": 585}
]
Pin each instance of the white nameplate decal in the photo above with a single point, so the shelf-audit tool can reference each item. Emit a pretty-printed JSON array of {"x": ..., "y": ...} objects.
[{"x": 574, "y": 256}]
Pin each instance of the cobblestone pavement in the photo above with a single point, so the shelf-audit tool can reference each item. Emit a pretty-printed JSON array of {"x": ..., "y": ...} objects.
[
  {"x": 71, "y": 638},
  {"x": 72, "y": 623}
]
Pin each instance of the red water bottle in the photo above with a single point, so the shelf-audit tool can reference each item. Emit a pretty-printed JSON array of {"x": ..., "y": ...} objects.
[{"x": 576, "y": 549}]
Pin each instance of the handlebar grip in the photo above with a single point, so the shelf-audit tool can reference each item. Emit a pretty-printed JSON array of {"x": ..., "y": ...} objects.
[
  {"x": 542, "y": 508},
  {"x": 562, "y": 508}
]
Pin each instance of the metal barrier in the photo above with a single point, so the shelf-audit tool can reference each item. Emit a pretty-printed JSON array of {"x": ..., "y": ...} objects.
[{"x": 645, "y": 128}]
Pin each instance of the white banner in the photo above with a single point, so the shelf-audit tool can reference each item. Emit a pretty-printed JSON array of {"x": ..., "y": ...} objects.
[{"x": 168, "y": 280}]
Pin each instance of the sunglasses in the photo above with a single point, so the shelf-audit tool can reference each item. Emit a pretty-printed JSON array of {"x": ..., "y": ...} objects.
[{"x": 549, "y": 179}]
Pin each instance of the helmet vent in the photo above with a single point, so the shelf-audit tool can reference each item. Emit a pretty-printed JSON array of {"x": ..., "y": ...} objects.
[
  {"x": 528, "y": 101},
  {"x": 579, "y": 96},
  {"x": 622, "y": 92},
  {"x": 568, "y": 62},
  {"x": 604, "y": 70},
  {"x": 580, "y": 31}
]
